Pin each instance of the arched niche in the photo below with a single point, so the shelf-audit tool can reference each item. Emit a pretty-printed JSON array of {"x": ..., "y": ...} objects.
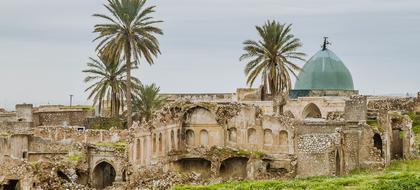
[
  {"x": 283, "y": 137},
  {"x": 172, "y": 139},
  {"x": 311, "y": 111},
  {"x": 252, "y": 136},
  {"x": 268, "y": 137},
  {"x": 138, "y": 149},
  {"x": 190, "y": 137},
  {"x": 204, "y": 137},
  {"x": 232, "y": 134}
]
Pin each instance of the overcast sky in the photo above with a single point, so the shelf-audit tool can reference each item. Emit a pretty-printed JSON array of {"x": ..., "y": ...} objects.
[{"x": 45, "y": 44}]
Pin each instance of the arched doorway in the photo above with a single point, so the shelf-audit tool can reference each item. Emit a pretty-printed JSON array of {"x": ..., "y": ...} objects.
[
  {"x": 337, "y": 164},
  {"x": 377, "y": 142},
  {"x": 311, "y": 111},
  {"x": 103, "y": 175}
]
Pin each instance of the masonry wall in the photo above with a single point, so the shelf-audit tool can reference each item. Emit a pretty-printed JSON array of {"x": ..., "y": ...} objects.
[
  {"x": 330, "y": 148},
  {"x": 59, "y": 118},
  {"x": 326, "y": 105}
]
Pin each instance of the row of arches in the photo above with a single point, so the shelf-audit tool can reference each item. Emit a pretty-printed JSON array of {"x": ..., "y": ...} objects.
[
  {"x": 204, "y": 137},
  {"x": 159, "y": 143},
  {"x": 232, "y": 137},
  {"x": 268, "y": 137}
]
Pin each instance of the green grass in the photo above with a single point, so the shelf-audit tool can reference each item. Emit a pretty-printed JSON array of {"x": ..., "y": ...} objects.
[{"x": 399, "y": 175}]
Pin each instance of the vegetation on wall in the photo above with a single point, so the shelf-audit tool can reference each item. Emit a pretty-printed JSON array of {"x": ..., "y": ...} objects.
[
  {"x": 119, "y": 145},
  {"x": 375, "y": 124},
  {"x": 106, "y": 123},
  {"x": 416, "y": 126},
  {"x": 399, "y": 175}
]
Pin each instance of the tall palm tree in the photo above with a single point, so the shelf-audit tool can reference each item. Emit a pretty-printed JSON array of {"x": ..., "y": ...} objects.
[
  {"x": 130, "y": 33},
  {"x": 108, "y": 77},
  {"x": 147, "y": 101},
  {"x": 272, "y": 57}
]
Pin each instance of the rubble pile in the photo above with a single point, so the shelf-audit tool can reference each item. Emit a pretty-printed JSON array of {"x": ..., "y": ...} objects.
[{"x": 156, "y": 178}]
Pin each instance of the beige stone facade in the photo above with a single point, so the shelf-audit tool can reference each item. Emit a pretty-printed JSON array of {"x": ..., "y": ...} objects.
[{"x": 206, "y": 137}]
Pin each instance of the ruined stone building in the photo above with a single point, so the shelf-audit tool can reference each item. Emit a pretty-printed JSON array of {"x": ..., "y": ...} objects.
[{"x": 326, "y": 129}]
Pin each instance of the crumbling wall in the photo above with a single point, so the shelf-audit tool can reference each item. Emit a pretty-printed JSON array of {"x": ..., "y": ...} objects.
[
  {"x": 70, "y": 135},
  {"x": 392, "y": 103},
  {"x": 70, "y": 117},
  {"x": 356, "y": 108}
]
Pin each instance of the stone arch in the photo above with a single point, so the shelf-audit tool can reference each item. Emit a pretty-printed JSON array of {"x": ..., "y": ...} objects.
[
  {"x": 103, "y": 175},
  {"x": 252, "y": 136},
  {"x": 234, "y": 167},
  {"x": 232, "y": 134},
  {"x": 197, "y": 165},
  {"x": 172, "y": 139},
  {"x": 283, "y": 137},
  {"x": 268, "y": 137},
  {"x": 311, "y": 111},
  {"x": 377, "y": 142},
  {"x": 190, "y": 137},
  {"x": 11, "y": 185},
  {"x": 199, "y": 116},
  {"x": 138, "y": 149},
  {"x": 204, "y": 137}
]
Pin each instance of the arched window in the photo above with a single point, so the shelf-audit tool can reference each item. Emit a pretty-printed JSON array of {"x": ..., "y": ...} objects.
[
  {"x": 190, "y": 137},
  {"x": 144, "y": 151},
  {"x": 268, "y": 137},
  {"x": 154, "y": 143},
  {"x": 311, "y": 111},
  {"x": 178, "y": 137},
  {"x": 377, "y": 142},
  {"x": 172, "y": 140},
  {"x": 138, "y": 149},
  {"x": 232, "y": 134},
  {"x": 160, "y": 143},
  {"x": 252, "y": 136},
  {"x": 283, "y": 138},
  {"x": 204, "y": 137}
]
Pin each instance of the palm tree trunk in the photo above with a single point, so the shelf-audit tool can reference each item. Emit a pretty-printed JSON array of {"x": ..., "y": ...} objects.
[
  {"x": 128, "y": 93},
  {"x": 114, "y": 104}
]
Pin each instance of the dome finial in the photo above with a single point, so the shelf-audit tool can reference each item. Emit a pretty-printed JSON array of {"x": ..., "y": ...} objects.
[{"x": 326, "y": 42}]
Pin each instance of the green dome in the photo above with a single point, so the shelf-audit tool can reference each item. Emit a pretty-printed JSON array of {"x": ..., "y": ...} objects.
[{"x": 324, "y": 71}]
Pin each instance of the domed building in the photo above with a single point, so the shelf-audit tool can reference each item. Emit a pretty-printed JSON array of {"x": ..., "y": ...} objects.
[{"x": 324, "y": 75}]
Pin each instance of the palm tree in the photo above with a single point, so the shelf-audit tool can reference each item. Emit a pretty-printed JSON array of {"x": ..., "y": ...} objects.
[
  {"x": 271, "y": 57},
  {"x": 147, "y": 101},
  {"x": 129, "y": 33},
  {"x": 108, "y": 77}
]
